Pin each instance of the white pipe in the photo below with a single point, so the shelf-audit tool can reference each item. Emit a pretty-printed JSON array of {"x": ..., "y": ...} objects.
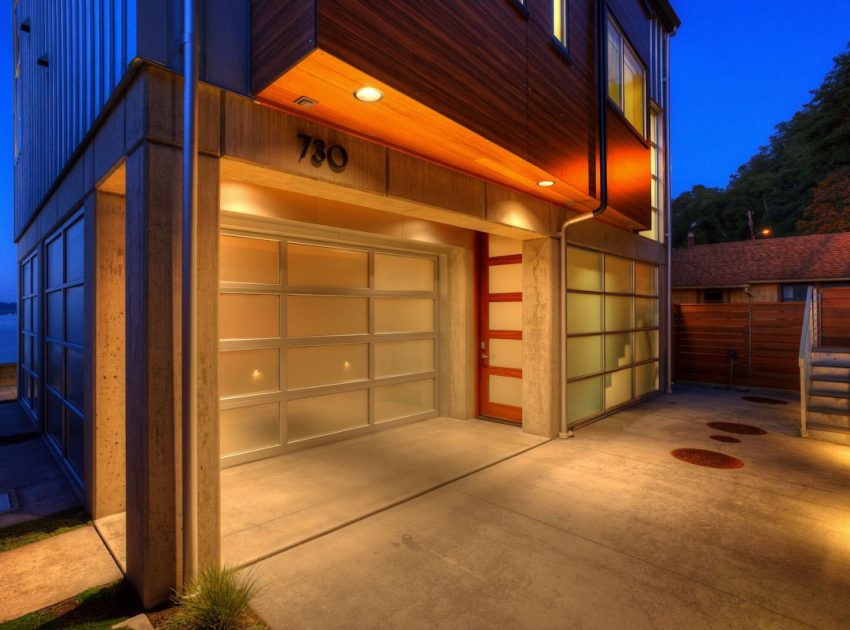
[
  {"x": 189, "y": 341},
  {"x": 668, "y": 212}
]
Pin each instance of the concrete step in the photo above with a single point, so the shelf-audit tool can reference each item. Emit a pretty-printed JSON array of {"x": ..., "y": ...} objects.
[
  {"x": 831, "y": 386},
  {"x": 829, "y": 416},
  {"x": 826, "y": 393},
  {"x": 831, "y": 368},
  {"x": 821, "y": 400},
  {"x": 829, "y": 433}
]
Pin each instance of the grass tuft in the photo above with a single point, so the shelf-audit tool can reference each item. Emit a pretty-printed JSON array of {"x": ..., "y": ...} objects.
[
  {"x": 217, "y": 599},
  {"x": 32, "y": 531}
]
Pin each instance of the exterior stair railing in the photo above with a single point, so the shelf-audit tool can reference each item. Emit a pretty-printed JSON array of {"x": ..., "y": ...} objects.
[{"x": 808, "y": 341}]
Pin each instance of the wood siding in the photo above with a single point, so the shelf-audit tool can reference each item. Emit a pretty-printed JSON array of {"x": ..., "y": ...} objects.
[
  {"x": 765, "y": 336},
  {"x": 485, "y": 66},
  {"x": 835, "y": 323}
]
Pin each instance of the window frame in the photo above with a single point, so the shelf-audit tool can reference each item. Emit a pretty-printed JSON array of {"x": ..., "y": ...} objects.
[{"x": 619, "y": 105}]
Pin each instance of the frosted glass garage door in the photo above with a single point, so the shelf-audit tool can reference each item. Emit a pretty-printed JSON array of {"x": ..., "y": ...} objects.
[{"x": 319, "y": 339}]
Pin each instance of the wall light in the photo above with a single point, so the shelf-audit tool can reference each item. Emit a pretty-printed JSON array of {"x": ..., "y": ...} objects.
[
  {"x": 369, "y": 94},
  {"x": 546, "y": 183}
]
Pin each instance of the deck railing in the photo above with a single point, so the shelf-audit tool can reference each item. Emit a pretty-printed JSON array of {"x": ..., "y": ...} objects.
[{"x": 808, "y": 341}]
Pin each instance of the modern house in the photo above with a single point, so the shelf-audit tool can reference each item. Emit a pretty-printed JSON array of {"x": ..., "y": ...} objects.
[
  {"x": 384, "y": 196},
  {"x": 763, "y": 270}
]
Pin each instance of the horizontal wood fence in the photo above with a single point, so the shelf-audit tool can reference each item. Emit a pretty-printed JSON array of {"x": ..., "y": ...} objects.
[
  {"x": 764, "y": 337},
  {"x": 835, "y": 316}
]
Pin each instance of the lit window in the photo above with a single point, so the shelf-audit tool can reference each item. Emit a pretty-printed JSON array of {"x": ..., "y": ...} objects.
[
  {"x": 656, "y": 139},
  {"x": 560, "y": 13},
  {"x": 626, "y": 77},
  {"x": 794, "y": 292}
]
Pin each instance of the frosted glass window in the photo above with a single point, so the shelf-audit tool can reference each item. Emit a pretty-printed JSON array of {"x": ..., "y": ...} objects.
[
  {"x": 584, "y": 356},
  {"x": 618, "y": 351},
  {"x": 645, "y": 279},
  {"x": 505, "y": 279},
  {"x": 584, "y": 270},
  {"x": 505, "y": 390},
  {"x": 321, "y": 415},
  {"x": 74, "y": 448},
  {"x": 249, "y": 428},
  {"x": 247, "y": 316},
  {"x": 584, "y": 313},
  {"x": 329, "y": 267},
  {"x": 646, "y": 345},
  {"x": 74, "y": 377},
  {"x": 584, "y": 399},
  {"x": 75, "y": 252},
  {"x": 403, "y": 400},
  {"x": 324, "y": 316},
  {"x": 249, "y": 260},
  {"x": 646, "y": 379},
  {"x": 55, "y": 414},
  {"x": 615, "y": 68},
  {"x": 55, "y": 361},
  {"x": 506, "y": 353},
  {"x": 404, "y": 273},
  {"x": 403, "y": 315},
  {"x": 55, "y": 308},
  {"x": 326, "y": 365},
  {"x": 646, "y": 312},
  {"x": 618, "y": 275},
  {"x": 54, "y": 264},
  {"x": 245, "y": 372},
  {"x": 618, "y": 388},
  {"x": 395, "y": 358},
  {"x": 74, "y": 315},
  {"x": 503, "y": 246},
  {"x": 505, "y": 315},
  {"x": 618, "y": 312}
]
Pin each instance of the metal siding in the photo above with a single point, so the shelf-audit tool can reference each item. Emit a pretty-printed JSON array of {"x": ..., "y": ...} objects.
[{"x": 87, "y": 46}]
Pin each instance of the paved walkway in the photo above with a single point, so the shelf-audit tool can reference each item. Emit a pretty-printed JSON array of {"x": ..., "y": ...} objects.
[
  {"x": 52, "y": 570},
  {"x": 606, "y": 530}
]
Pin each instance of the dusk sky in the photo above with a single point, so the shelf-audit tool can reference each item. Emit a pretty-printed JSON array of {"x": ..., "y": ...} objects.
[{"x": 739, "y": 68}]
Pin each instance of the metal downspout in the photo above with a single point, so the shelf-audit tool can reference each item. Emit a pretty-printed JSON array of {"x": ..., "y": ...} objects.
[
  {"x": 602, "y": 92},
  {"x": 668, "y": 212},
  {"x": 189, "y": 341}
]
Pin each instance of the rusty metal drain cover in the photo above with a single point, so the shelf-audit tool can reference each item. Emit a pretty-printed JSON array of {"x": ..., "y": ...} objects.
[
  {"x": 709, "y": 459},
  {"x": 728, "y": 439},
  {"x": 764, "y": 401},
  {"x": 736, "y": 427}
]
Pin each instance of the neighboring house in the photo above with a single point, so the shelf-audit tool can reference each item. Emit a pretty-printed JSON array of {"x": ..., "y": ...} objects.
[
  {"x": 371, "y": 177},
  {"x": 764, "y": 270}
]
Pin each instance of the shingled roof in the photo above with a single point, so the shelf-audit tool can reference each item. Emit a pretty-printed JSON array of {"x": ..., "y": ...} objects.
[{"x": 813, "y": 257}]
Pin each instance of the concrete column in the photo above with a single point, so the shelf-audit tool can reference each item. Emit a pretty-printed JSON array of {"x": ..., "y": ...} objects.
[
  {"x": 105, "y": 482},
  {"x": 153, "y": 404},
  {"x": 540, "y": 333},
  {"x": 460, "y": 337}
]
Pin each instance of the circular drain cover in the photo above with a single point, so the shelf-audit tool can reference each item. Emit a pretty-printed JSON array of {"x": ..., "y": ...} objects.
[
  {"x": 735, "y": 427},
  {"x": 764, "y": 401},
  {"x": 709, "y": 459},
  {"x": 728, "y": 439}
]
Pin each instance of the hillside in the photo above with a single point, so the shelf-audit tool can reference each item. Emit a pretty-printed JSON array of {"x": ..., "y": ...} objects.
[{"x": 798, "y": 184}]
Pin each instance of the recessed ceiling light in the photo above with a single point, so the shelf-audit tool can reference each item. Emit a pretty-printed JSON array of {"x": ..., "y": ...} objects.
[
  {"x": 546, "y": 183},
  {"x": 369, "y": 94}
]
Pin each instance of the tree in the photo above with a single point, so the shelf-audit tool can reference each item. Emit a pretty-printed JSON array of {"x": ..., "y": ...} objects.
[{"x": 830, "y": 207}]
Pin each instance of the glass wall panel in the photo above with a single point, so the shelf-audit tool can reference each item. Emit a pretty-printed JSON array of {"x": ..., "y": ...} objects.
[
  {"x": 646, "y": 379},
  {"x": 584, "y": 270},
  {"x": 326, "y": 316},
  {"x": 55, "y": 310},
  {"x": 249, "y": 260},
  {"x": 75, "y": 441},
  {"x": 618, "y": 351},
  {"x": 618, "y": 312},
  {"x": 55, "y": 363},
  {"x": 584, "y": 313},
  {"x": 74, "y": 315},
  {"x": 618, "y": 388},
  {"x": 74, "y": 377},
  {"x": 403, "y": 400},
  {"x": 505, "y": 279},
  {"x": 404, "y": 273},
  {"x": 618, "y": 275},
  {"x": 646, "y": 312},
  {"x": 311, "y": 417},
  {"x": 244, "y": 372},
  {"x": 55, "y": 419},
  {"x": 499, "y": 246},
  {"x": 505, "y": 316},
  {"x": 400, "y": 315},
  {"x": 248, "y": 316},
  {"x": 646, "y": 345},
  {"x": 55, "y": 269},
  {"x": 505, "y": 390},
  {"x": 326, "y": 365},
  {"x": 328, "y": 267},
  {"x": 506, "y": 353},
  {"x": 396, "y": 358},
  {"x": 249, "y": 428},
  {"x": 74, "y": 253},
  {"x": 584, "y": 399},
  {"x": 633, "y": 96},
  {"x": 584, "y": 356},
  {"x": 645, "y": 279}
]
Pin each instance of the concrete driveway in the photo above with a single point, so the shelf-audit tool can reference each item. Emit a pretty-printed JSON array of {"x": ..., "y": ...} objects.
[{"x": 606, "y": 530}]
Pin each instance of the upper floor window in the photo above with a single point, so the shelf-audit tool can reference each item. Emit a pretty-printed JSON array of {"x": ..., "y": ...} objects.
[
  {"x": 626, "y": 79},
  {"x": 656, "y": 170},
  {"x": 560, "y": 15}
]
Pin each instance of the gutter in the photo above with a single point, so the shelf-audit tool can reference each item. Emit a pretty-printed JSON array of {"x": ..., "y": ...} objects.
[
  {"x": 189, "y": 333},
  {"x": 602, "y": 93}
]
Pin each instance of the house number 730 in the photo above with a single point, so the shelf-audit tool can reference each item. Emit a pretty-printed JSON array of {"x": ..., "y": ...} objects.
[{"x": 335, "y": 156}]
